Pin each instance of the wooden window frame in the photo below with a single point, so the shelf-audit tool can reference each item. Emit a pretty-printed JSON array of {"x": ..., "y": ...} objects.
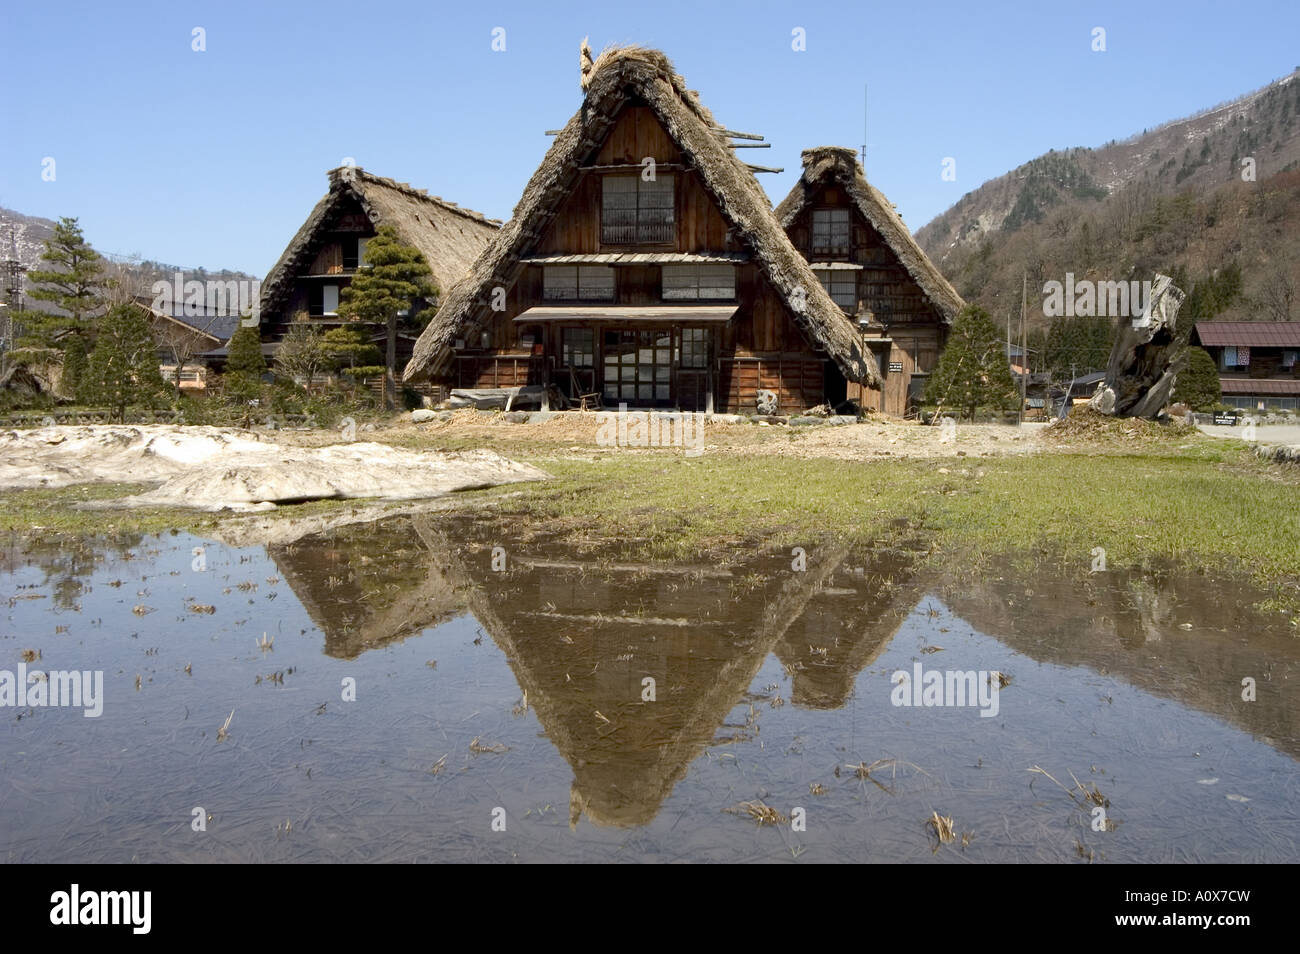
[
  {"x": 692, "y": 291},
  {"x": 694, "y": 344},
  {"x": 660, "y": 382},
  {"x": 829, "y": 277},
  {"x": 831, "y": 248},
  {"x": 589, "y": 290},
  {"x": 589, "y": 352},
  {"x": 644, "y": 231}
]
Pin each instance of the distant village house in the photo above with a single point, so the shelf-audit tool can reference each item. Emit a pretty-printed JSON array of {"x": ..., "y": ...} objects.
[{"x": 1258, "y": 361}]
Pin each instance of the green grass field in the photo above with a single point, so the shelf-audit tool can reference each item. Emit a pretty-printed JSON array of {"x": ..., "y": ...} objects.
[{"x": 1207, "y": 503}]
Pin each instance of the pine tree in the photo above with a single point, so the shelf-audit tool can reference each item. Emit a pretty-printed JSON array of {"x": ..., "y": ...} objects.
[
  {"x": 1198, "y": 384},
  {"x": 124, "y": 365},
  {"x": 245, "y": 365},
  {"x": 972, "y": 371},
  {"x": 396, "y": 278},
  {"x": 351, "y": 350},
  {"x": 75, "y": 382},
  {"x": 246, "y": 352},
  {"x": 74, "y": 283}
]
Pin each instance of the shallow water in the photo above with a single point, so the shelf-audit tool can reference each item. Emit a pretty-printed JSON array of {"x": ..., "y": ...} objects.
[{"x": 518, "y": 694}]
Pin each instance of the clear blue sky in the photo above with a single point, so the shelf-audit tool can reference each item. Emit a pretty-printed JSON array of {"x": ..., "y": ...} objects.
[{"x": 215, "y": 158}]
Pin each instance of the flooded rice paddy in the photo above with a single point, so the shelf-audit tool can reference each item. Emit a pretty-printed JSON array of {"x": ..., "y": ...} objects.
[{"x": 404, "y": 690}]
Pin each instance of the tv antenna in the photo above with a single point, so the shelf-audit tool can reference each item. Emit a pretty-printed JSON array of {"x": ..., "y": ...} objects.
[{"x": 864, "y": 129}]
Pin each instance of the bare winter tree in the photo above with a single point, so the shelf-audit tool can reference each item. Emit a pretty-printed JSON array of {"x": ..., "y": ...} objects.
[
  {"x": 180, "y": 343},
  {"x": 1277, "y": 295},
  {"x": 300, "y": 355},
  {"x": 123, "y": 280}
]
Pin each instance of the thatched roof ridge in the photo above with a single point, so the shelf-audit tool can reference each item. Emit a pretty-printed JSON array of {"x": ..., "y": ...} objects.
[
  {"x": 615, "y": 77},
  {"x": 449, "y": 236},
  {"x": 823, "y": 164}
]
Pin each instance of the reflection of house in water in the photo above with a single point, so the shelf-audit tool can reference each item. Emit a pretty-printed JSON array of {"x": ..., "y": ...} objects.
[
  {"x": 582, "y": 636},
  {"x": 581, "y": 632},
  {"x": 362, "y": 595},
  {"x": 848, "y": 623}
]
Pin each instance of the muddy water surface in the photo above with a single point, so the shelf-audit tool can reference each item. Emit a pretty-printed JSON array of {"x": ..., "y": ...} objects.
[{"x": 398, "y": 688}]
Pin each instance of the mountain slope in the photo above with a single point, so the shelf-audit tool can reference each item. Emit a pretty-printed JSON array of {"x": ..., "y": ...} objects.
[
  {"x": 1172, "y": 199},
  {"x": 26, "y": 234}
]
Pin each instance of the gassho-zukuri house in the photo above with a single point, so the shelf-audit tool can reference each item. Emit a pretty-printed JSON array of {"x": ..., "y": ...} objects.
[
  {"x": 866, "y": 258},
  {"x": 645, "y": 265},
  {"x": 322, "y": 258}
]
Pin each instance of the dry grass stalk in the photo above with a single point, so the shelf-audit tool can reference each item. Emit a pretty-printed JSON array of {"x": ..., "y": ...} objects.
[
  {"x": 942, "y": 826},
  {"x": 762, "y": 813},
  {"x": 224, "y": 732}
]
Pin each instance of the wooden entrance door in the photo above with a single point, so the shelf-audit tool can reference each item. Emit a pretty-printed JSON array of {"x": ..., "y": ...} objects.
[
  {"x": 638, "y": 367},
  {"x": 694, "y": 347}
]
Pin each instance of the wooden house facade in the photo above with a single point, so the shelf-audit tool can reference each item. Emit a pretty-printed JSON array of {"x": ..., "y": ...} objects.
[
  {"x": 1258, "y": 362},
  {"x": 644, "y": 266},
  {"x": 320, "y": 261},
  {"x": 864, "y": 256}
]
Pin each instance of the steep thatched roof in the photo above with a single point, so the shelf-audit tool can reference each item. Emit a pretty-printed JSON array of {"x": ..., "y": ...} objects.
[
  {"x": 450, "y": 237},
  {"x": 825, "y": 164},
  {"x": 617, "y": 76}
]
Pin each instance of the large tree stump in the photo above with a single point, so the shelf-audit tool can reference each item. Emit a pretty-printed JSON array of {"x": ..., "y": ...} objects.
[{"x": 1145, "y": 360}]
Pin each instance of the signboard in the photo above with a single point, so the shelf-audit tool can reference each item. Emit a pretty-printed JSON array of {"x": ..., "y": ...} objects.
[
  {"x": 895, "y": 366},
  {"x": 1228, "y": 418}
]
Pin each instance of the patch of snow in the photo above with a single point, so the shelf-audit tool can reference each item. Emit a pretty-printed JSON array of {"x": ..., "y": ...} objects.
[{"x": 213, "y": 468}]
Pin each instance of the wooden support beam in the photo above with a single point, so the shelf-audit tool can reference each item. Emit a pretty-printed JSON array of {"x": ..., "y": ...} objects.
[
  {"x": 736, "y": 135},
  {"x": 750, "y": 145},
  {"x": 754, "y": 168},
  {"x": 632, "y": 167}
]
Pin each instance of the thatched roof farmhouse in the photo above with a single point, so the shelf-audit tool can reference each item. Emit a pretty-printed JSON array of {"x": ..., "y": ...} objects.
[
  {"x": 644, "y": 264},
  {"x": 873, "y": 268},
  {"x": 325, "y": 252}
]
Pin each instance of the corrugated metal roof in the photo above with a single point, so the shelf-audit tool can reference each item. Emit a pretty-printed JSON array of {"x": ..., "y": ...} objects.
[
  {"x": 1091, "y": 377},
  {"x": 1252, "y": 334},
  {"x": 1258, "y": 386}
]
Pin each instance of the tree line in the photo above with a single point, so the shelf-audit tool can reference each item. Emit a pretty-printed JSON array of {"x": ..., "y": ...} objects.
[{"x": 98, "y": 346}]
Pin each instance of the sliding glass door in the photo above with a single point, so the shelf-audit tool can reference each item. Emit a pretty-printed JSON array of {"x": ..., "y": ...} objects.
[{"x": 638, "y": 367}]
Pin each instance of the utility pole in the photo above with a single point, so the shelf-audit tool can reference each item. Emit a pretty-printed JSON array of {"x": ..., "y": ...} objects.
[
  {"x": 13, "y": 297},
  {"x": 1009, "y": 338},
  {"x": 1024, "y": 304}
]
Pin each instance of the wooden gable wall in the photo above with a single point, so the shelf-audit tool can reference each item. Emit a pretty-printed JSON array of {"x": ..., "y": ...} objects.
[
  {"x": 887, "y": 287},
  {"x": 324, "y": 257},
  {"x": 637, "y": 135}
]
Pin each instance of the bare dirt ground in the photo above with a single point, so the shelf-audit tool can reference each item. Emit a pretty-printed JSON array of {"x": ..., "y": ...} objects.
[{"x": 578, "y": 432}]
